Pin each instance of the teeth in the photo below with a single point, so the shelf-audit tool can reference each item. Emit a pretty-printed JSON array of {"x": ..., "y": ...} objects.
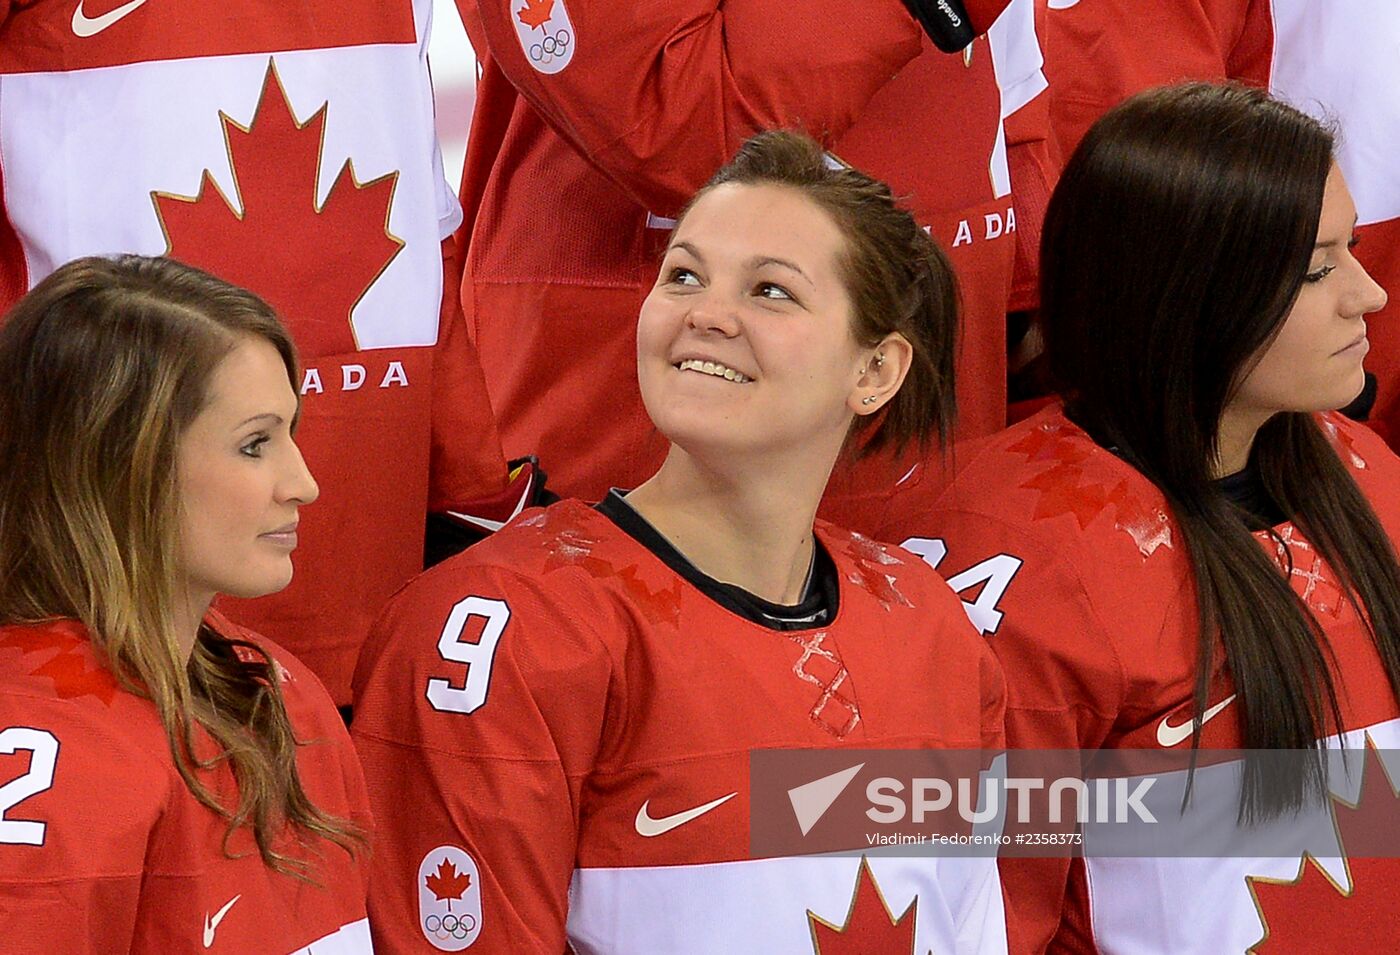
[{"x": 714, "y": 368}]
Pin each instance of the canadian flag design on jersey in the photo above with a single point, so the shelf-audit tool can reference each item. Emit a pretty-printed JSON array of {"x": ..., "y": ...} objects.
[
  {"x": 546, "y": 33},
  {"x": 244, "y": 238},
  {"x": 280, "y": 167}
]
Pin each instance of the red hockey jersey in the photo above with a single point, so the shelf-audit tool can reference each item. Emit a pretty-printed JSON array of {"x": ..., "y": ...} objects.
[
  {"x": 596, "y": 121},
  {"x": 586, "y": 778},
  {"x": 1073, "y": 568},
  {"x": 1333, "y": 59},
  {"x": 288, "y": 148},
  {"x": 104, "y": 850}
]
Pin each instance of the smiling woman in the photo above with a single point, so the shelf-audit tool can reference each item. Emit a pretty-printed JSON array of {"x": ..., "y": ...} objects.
[
  {"x": 177, "y": 764},
  {"x": 590, "y": 763}
]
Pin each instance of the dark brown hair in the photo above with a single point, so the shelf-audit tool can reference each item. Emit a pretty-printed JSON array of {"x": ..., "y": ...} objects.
[
  {"x": 1173, "y": 250},
  {"x": 897, "y": 277},
  {"x": 103, "y": 366}
]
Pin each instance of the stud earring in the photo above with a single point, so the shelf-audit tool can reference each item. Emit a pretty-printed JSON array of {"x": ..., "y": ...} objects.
[{"x": 868, "y": 400}]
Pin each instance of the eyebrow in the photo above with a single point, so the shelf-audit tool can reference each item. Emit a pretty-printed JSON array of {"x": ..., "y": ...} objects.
[
  {"x": 756, "y": 262},
  {"x": 1333, "y": 243},
  {"x": 272, "y": 418}
]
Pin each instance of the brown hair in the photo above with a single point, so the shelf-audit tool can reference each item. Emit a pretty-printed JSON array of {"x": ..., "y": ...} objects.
[
  {"x": 102, "y": 368},
  {"x": 898, "y": 278},
  {"x": 1173, "y": 250}
]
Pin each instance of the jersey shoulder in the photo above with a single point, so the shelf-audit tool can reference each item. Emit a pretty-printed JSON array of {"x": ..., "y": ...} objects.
[
  {"x": 95, "y": 771},
  {"x": 1046, "y": 482},
  {"x": 529, "y": 608},
  {"x": 895, "y": 577},
  {"x": 308, "y": 703},
  {"x": 1364, "y": 452}
]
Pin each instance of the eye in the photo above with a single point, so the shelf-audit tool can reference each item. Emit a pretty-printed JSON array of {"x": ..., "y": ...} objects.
[
  {"x": 253, "y": 447},
  {"x": 682, "y": 276},
  {"x": 1320, "y": 274},
  {"x": 773, "y": 291}
]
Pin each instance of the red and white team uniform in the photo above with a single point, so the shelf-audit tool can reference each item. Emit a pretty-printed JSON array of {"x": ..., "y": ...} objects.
[
  {"x": 1098, "y": 52},
  {"x": 596, "y": 121},
  {"x": 585, "y": 779},
  {"x": 1071, "y": 565},
  {"x": 1334, "y": 59},
  {"x": 288, "y": 148},
  {"x": 103, "y": 849}
]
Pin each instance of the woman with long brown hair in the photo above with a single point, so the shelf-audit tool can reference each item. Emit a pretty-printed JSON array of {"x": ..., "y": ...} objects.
[
  {"x": 176, "y": 781},
  {"x": 1193, "y": 550},
  {"x": 557, "y": 724}
]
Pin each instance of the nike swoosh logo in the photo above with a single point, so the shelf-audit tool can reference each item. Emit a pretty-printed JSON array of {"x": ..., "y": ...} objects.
[
  {"x": 85, "y": 26},
  {"x": 647, "y": 826},
  {"x": 211, "y": 924},
  {"x": 1169, "y": 735}
]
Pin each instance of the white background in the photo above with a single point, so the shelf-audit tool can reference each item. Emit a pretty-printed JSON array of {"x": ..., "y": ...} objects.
[{"x": 454, "y": 85}]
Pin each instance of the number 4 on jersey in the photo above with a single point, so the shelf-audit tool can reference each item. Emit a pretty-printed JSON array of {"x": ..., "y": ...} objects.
[{"x": 994, "y": 574}]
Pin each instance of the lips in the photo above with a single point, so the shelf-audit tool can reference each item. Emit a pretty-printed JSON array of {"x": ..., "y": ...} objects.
[
  {"x": 285, "y": 536},
  {"x": 715, "y": 369},
  {"x": 1359, "y": 343}
]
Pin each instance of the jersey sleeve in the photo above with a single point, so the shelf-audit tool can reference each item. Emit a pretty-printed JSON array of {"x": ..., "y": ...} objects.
[
  {"x": 658, "y": 95},
  {"x": 1064, "y": 683},
  {"x": 467, "y": 463},
  {"x": 78, "y": 801},
  {"x": 480, "y": 698}
]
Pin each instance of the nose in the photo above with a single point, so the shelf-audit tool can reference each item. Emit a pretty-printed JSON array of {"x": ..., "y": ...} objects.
[
  {"x": 297, "y": 485},
  {"x": 1367, "y": 295},
  {"x": 712, "y": 311}
]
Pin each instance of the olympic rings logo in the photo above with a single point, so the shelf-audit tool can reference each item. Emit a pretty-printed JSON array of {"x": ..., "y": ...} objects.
[
  {"x": 553, "y": 45},
  {"x": 444, "y": 927}
]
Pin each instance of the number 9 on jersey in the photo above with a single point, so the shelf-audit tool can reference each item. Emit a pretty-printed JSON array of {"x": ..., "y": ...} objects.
[{"x": 478, "y": 655}]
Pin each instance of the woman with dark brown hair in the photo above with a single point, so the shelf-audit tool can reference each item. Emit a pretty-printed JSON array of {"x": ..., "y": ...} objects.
[
  {"x": 1194, "y": 550},
  {"x": 176, "y": 781},
  {"x": 557, "y": 725}
]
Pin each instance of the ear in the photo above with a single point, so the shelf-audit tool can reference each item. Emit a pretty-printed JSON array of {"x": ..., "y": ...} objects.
[{"x": 880, "y": 376}]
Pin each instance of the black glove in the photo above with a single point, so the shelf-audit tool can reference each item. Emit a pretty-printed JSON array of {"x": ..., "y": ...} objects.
[
  {"x": 454, "y": 531},
  {"x": 945, "y": 21}
]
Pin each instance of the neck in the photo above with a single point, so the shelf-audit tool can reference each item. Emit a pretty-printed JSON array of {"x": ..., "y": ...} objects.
[
  {"x": 189, "y": 614},
  {"x": 1235, "y": 440},
  {"x": 752, "y": 530}
]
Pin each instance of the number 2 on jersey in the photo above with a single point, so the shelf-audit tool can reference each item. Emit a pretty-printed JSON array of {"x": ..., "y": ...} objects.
[
  {"x": 43, "y": 747},
  {"x": 478, "y": 655},
  {"x": 994, "y": 573}
]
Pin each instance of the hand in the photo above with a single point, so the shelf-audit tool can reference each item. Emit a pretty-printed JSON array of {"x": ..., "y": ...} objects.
[{"x": 945, "y": 21}]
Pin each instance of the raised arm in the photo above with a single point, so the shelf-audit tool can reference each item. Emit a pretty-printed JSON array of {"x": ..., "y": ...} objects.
[{"x": 659, "y": 94}]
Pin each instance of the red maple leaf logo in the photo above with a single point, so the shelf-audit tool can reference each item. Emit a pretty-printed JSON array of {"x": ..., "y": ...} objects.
[
  {"x": 871, "y": 560},
  {"x": 1063, "y": 489},
  {"x": 447, "y": 884},
  {"x": 1312, "y": 913},
  {"x": 68, "y": 668},
  {"x": 569, "y": 546},
  {"x": 1343, "y": 440},
  {"x": 536, "y": 13},
  {"x": 870, "y": 925},
  {"x": 312, "y": 263}
]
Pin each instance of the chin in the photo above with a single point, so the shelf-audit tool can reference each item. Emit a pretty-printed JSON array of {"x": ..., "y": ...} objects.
[
  {"x": 260, "y": 585},
  {"x": 1346, "y": 395}
]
